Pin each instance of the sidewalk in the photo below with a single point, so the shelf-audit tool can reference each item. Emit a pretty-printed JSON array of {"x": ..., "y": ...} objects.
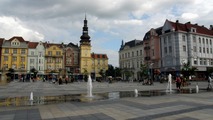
[{"x": 168, "y": 107}]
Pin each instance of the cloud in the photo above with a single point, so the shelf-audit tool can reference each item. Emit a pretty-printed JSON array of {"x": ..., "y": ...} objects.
[
  {"x": 11, "y": 26},
  {"x": 109, "y": 21},
  {"x": 189, "y": 16}
]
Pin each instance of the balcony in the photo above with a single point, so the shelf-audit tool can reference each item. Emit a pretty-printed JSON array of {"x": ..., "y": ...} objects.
[
  {"x": 147, "y": 58},
  {"x": 147, "y": 48}
]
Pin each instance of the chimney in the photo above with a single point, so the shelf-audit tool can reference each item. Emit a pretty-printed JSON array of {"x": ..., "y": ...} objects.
[
  {"x": 177, "y": 21},
  {"x": 211, "y": 27}
]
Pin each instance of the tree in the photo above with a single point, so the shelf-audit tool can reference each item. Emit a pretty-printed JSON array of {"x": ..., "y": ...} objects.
[
  {"x": 102, "y": 73},
  {"x": 85, "y": 73},
  {"x": 110, "y": 71},
  {"x": 209, "y": 71},
  {"x": 34, "y": 71},
  {"x": 188, "y": 70},
  {"x": 117, "y": 72},
  {"x": 144, "y": 71},
  {"x": 10, "y": 75},
  {"x": 128, "y": 73}
]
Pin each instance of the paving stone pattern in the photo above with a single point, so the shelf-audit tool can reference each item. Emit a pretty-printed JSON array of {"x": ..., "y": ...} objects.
[{"x": 168, "y": 107}]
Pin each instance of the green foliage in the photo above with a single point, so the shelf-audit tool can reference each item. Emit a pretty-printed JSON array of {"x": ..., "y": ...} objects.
[
  {"x": 102, "y": 73},
  {"x": 34, "y": 71},
  {"x": 128, "y": 73},
  {"x": 209, "y": 70},
  {"x": 188, "y": 70},
  {"x": 144, "y": 71}
]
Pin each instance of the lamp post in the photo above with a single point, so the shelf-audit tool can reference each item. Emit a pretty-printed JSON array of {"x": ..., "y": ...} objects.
[{"x": 150, "y": 67}]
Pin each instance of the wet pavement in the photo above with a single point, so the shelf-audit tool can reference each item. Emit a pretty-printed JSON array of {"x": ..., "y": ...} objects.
[{"x": 120, "y": 102}]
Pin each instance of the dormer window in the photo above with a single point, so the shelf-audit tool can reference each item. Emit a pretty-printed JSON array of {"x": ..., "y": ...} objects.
[
  {"x": 15, "y": 43},
  {"x": 193, "y": 29}
]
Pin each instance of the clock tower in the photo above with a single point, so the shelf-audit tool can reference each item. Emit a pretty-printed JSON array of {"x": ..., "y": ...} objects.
[{"x": 85, "y": 50}]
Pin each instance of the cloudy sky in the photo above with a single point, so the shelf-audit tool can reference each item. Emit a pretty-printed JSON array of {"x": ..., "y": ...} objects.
[{"x": 109, "y": 21}]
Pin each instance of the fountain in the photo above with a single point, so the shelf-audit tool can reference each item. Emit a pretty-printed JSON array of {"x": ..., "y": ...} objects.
[
  {"x": 169, "y": 86},
  {"x": 89, "y": 87},
  {"x": 136, "y": 93},
  {"x": 31, "y": 98},
  {"x": 197, "y": 88}
]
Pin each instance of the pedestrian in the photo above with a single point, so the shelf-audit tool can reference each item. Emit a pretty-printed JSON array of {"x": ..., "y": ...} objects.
[
  {"x": 209, "y": 83},
  {"x": 66, "y": 80},
  {"x": 178, "y": 82}
]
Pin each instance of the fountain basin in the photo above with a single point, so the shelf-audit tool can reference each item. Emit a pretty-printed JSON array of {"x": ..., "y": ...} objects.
[{"x": 44, "y": 100}]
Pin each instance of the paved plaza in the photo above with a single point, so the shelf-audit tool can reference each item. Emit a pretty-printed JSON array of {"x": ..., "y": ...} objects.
[{"x": 178, "y": 106}]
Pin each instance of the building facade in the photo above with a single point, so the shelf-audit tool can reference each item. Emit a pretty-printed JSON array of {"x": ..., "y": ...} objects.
[
  {"x": 90, "y": 63},
  {"x": 130, "y": 58},
  {"x": 186, "y": 42},
  {"x": 14, "y": 55},
  {"x": 36, "y": 57}
]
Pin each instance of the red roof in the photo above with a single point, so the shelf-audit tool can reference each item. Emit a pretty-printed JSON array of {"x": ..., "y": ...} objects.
[
  {"x": 32, "y": 44},
  {"x": 1, "y": 41},
  {"x": 17, "y": 37},
  {"x": 187, "y": 27},
  {"x": 93, "y": 55}
]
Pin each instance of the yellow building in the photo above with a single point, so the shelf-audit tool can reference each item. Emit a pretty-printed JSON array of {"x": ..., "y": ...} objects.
[
  {"x": 53, "y": 57},
  {"x": 90, "y": 63},
  {"x": 14, "y": 55}
]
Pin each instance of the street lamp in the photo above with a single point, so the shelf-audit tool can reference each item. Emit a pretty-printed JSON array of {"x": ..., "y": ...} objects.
[{"x": 150, "y": 67}]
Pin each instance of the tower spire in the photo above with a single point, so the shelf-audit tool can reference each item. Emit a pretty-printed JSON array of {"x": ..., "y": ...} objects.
[{"x": 85, "y": 38}]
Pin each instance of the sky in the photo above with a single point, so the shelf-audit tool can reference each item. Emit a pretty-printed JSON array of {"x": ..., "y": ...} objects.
[{"x": 109, "y": 21}]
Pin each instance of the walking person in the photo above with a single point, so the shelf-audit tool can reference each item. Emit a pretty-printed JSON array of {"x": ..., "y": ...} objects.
[
  {"x": 178, "y": 83},
  {"x": 209, "y": 83}
]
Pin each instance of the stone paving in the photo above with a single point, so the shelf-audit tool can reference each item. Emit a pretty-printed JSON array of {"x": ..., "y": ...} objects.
[{"x": 196, "y": 106}]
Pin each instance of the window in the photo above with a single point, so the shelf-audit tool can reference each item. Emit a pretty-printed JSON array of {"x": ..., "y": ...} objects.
[
  {"x": 14, "y": 51},
  {"x": 211, "y": 50},
  {"x": 31, "y": 61},
  {"x": 199, "y": 40},
  {"x": 58, "y": 52},
  {"x": 207, "y": 50},
  {"x": 194, "y": 39},
  {"x": 137, "y": 53},
  {"x": 204, "y": 50},
  {"x": 201, "y": 61},
  {"x": 14, "y": 58},
  {"x": 140, "y": 52},
  {"x": 203, "y": 41},
  {"x": 200, "y": 50},
  {"x": 22, "y": 51},
  {"x": 184, "y": 48},
  {"x": 32, "y": 52},
  {"x": 210, "y": 41},
  {"x": 22, "y": 59},
  {"x": 6, "y": 51},
  {"x": 204, "y": 61},
  {"x": 49, "y": 52},
  {"x": 132, "y": 54},
  {"x": 170, "y": 49},
  {"x": 183, "y": 37},
  {"x": 5, "y": 58},
  {"x": 40, "y": 54},
  {"x": 165, "y": 50},
  {"x": 164, "y": 39},
  {"x": 169, "y": 39},
  {"x": 194, "y": 48},
  {"x": 206, "y": 41}
]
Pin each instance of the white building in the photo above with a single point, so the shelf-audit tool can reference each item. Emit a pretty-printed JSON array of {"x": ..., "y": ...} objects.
[
  {"x": 131, "y": 58},
  {"x": 181, "y": 43},
  {"x": 36, "y": 57}
]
